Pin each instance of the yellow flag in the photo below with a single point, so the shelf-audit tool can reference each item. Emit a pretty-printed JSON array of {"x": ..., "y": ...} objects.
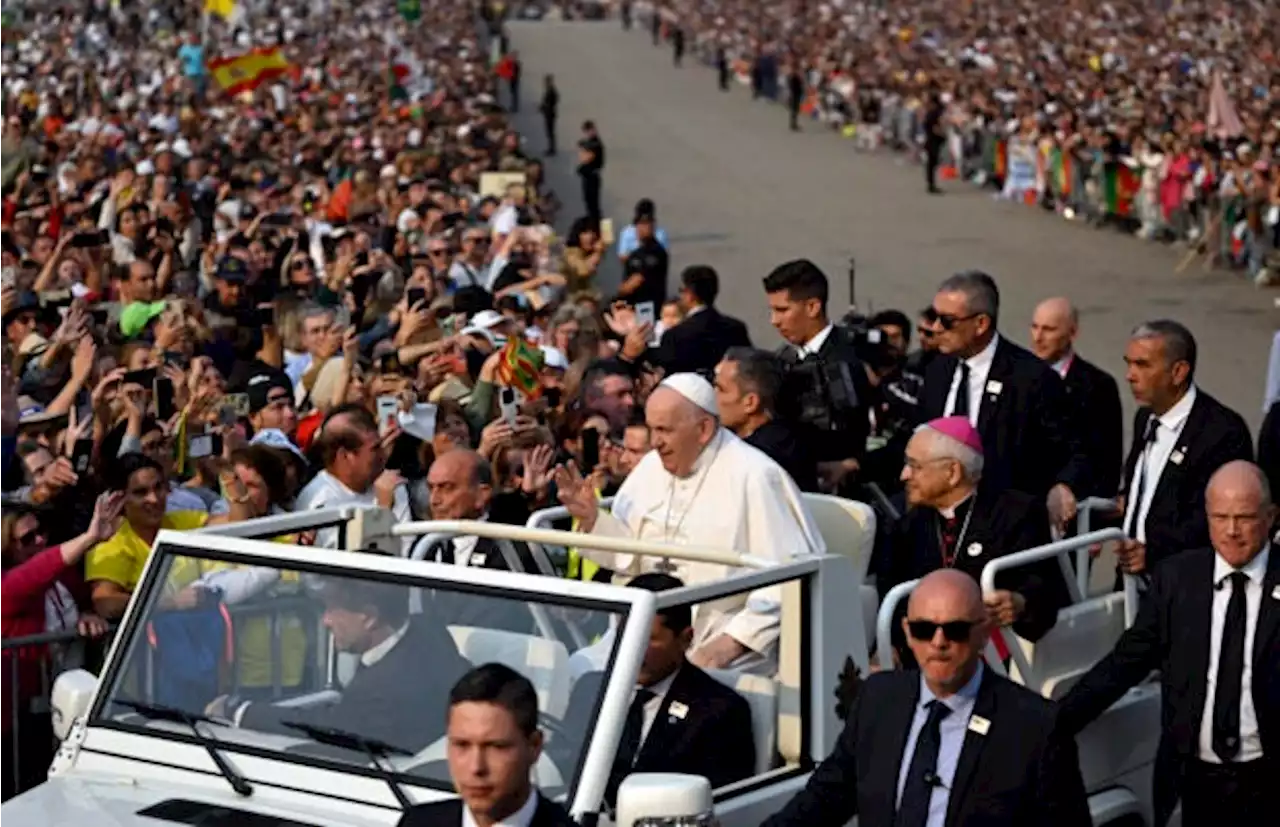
[{"x": 222, "y": 8}]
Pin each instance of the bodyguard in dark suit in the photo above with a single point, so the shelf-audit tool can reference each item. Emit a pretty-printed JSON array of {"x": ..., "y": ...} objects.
[
  {"x": 951, "y": 746},
  {"x": 1220, "y": 733},
  {"x": 1092, "y": 393},
  {"x": 681, "y": 719},
  {"x": 1181, "y": 436},
  {"x": 953, "y": 522},
  {"x": 492, "y": 704},
  {"x": 406, "y": 668},
  {"x": 697, "y": 343},
  {"x": 1016, "y": 402},
  {"x": 748, "y": 383}
]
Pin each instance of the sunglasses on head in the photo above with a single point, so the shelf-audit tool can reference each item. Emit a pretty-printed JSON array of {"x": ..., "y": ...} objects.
[{"x": 956, "y": 631}]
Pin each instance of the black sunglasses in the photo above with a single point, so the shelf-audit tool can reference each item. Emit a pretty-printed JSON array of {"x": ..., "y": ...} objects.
[
  {"x": 956, "y": 631},
  {"x": 949, "y": 321}
]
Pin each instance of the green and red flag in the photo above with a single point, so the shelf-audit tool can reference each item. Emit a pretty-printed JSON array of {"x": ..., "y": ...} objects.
[
  {"x": 521, "y": 363},
  {"x": 410, "y": 10},
  {"x": 1122, "y": 185},
  {"x": 1001, "y": 160}
]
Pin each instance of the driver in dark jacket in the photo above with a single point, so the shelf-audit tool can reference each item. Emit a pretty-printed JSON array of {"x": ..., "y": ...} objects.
[{"x": 407, "y": 666}]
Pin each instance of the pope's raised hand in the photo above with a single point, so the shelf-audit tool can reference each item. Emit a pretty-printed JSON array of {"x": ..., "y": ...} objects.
[{"x": 577, "y": 495}]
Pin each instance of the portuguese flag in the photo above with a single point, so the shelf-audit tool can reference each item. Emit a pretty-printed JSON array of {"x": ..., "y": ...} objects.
[
  {"x": 1122, "y": 185},
  {"x": 521, "y": 363},
  {"x": 1001, "y": 160},
  {"x": 1060, "y": 172}
]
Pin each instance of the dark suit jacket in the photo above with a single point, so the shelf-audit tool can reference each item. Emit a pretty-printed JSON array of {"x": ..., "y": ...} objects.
[
  {"x": 699, "y": 342},
  {"x": 456, "y": 608},
  {"x": 784, "y": 446},
  {"x": 851, "y": 442},
  {"x": 1095, "y": 402},
  {"x": 1023, "y": 772},
  {"x": 1212, "y": 436},
  {"x": 1001, "y": 523},
  {"x": 449, "y": 814},
  {"x": 1171, "y": 634},
  {"x": 1269, "y": 446},
  {"x": 1027, "y": 437},
  {"x": 713, "y": 739},
  {"x": 396, "y": 700}
]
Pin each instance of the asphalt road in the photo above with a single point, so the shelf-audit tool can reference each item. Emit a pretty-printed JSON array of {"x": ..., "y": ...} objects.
[{"x": 737, "y": 190}]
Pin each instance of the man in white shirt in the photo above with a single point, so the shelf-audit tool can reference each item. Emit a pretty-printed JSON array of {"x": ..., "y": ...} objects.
[
  {"x": 1211, "y": 625},
  {"x": 702, "y": 486},
  {"x": 355, "y": 458},
  {"x": 494, "y": 743}
]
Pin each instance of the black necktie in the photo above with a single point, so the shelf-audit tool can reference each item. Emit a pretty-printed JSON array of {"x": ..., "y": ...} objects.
[
  {"x": 913, "y": 811},
  {"x": 629, "y": 744},
  {"x": 961, "y": 408},
  {"x": 1226, "y": 698},
  {"x": 1140, "y": 472}
]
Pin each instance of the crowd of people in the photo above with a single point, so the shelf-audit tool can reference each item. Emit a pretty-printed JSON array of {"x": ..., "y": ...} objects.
[
  {"x": 1161, "y": 118},
  {"x": 333, "y": 277}
]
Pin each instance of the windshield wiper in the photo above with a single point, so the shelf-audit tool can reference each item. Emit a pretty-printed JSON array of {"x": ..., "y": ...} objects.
[
  {"x": 158, "y": 712},
  {"x": 378, "y": 751}
]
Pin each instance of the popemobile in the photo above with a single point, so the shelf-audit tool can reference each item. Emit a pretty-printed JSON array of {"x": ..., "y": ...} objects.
[{"x": 171, "y": 732}]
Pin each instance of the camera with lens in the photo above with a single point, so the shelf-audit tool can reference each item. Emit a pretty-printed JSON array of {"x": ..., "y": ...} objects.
[{"x": 820, "y": 393}]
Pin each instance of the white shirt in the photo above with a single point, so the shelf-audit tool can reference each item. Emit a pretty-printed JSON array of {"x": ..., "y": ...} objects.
[
  {"x": 1151, "y": 463},
  {"x": 522, "y": 817},
  {"x": 1250, "y": 739},
  {"x": 504, "y": 220},
  {"x": 326, "y": 491},
  {"x": 1063, "y": 365},
  {"x": 651, "y": 707},
  {"x": 738, "y": 499},
  {"x": 815, "y": 344},
  {"x": 376, "y": 653},
  {"x": 979, "y": 368},
  {"x": 464, "y": 547}
]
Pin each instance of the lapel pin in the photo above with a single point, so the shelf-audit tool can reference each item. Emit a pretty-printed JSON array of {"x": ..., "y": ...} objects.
[
  {"x": 677, "y": 710},
  {"x": 1178, "y": 456},
  {"x": 1275, "y": 593},
  {"x": 974, "y": 549},
  {"x": 994, "y": 387},
  {"x": 979, "y": 724}
]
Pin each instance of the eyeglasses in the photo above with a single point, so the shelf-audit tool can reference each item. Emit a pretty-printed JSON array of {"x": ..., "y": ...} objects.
[
  {"x": 437, "y": 252},
  {"x": 956, "y": 631},
  {"x": 949, "y": 320},
  {"x": 924, "y": 332}
]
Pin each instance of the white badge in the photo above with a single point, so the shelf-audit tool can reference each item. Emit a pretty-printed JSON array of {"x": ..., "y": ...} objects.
[
  {"x": 1177, "y": 457},
  {"x": 677, "y": 710},
  {"x": 994, "y": 387},
  {"x": 1275, "y": 593},
  {"x": 979, "y": 724},
  {"x": 974, "y": 549}
]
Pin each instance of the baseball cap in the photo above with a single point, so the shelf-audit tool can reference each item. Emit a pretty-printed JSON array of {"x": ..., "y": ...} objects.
[
  {"x": 232, "y": 269},
  {"x": 135, "y": 317},
  {"x": 31, "y": 412},
  {"x": 483, "y": 324},
  {"x": 25, "y": 301},
  {"x": 259, "y": 385}
]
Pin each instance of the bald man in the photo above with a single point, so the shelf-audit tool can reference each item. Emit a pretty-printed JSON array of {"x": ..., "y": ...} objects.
[
  {"x": 1092, "y": 393},
  {"x": 702, "y": 486},
  {"x": 1211, "y": 625},
  {"x": 976, "y": 749}
]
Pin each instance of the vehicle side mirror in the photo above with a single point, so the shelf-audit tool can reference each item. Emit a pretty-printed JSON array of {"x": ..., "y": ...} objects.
[
  {"x": 664, "y": 799},
  {"x": 72, "y": 694}
]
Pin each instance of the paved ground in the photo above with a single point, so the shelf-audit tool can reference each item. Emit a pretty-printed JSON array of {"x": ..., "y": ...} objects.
[{"x": 738, "y": 191}]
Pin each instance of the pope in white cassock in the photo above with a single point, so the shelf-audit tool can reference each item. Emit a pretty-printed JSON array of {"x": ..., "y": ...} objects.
[{"x": 703, "y": 486}]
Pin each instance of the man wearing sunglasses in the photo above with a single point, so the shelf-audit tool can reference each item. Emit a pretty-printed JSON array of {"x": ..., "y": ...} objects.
[
  {"x": 975, "y": 748},
  {"x": 1015, "y": 401}
]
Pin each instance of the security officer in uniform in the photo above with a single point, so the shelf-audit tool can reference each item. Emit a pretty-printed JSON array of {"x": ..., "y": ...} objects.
[
  {"x": 795, "y": 95},
  {"x": 933, "y": 141}
]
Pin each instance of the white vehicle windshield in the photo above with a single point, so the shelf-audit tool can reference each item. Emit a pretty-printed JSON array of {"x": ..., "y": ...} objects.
[{"x": 274, "y": 662}]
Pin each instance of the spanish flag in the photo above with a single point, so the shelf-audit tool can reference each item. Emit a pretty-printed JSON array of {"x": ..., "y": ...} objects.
[{"x": 244, "y": 73}]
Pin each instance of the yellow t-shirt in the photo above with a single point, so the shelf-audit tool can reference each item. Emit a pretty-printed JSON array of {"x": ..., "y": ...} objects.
[{"x": 120, "y": 560}]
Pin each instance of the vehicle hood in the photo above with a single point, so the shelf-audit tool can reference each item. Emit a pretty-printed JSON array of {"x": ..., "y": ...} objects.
[{"x": 70, "y": 801}]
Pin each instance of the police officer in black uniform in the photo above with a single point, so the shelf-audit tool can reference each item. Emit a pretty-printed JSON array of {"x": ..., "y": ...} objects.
[
  {"x": 933, "y": 141},
  {"x": 795, "y": 95},
  {"x": 550, "y": 109},
  {"x": 590, "y": 165}
]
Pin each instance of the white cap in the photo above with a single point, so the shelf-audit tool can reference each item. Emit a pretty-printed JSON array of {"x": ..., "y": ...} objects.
[
  {"x": 419, "y": 421},
  {"x": 694, "y": 388},
  {"x": 553, "y": 357}
]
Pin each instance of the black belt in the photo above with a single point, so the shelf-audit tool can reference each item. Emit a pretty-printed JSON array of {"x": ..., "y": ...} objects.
[{"x": 1232, "y": 770}]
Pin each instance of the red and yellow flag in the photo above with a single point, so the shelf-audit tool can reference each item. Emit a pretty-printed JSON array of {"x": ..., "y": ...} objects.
[
  {"x": 521, "y": 363},
  {"x": 246, "y": 72}
]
